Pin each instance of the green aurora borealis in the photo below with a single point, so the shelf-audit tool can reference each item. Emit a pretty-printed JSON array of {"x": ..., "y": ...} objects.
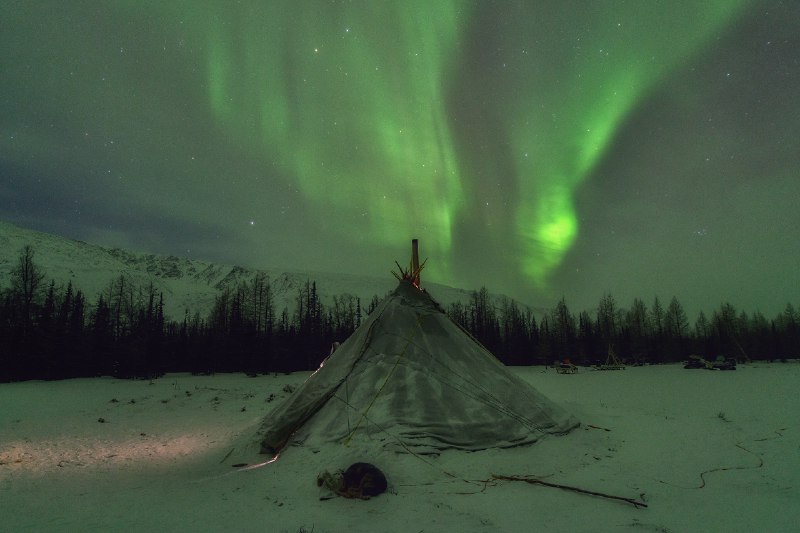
[
  {"x": 518, "y": 140},
  {"x": 334, "y": 120}
]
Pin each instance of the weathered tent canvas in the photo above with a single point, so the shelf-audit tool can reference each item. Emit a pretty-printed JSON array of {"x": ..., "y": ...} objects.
[{"x": 411, "y": 377}]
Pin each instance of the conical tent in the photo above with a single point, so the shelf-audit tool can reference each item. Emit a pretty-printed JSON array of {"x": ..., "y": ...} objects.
[{"x": 411, "y": 377}]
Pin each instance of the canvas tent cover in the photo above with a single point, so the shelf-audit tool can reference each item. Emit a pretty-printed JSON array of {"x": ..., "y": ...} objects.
[{"x": 411, "y": 377}]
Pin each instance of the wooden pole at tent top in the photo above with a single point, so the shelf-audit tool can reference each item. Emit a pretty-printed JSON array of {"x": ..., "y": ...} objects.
[{"x": 415, "y": 260}]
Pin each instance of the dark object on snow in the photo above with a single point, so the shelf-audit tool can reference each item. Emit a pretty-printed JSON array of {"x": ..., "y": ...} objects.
[
  {"x": 366, "y": 478},
  {"x": 726, "y": 364},
  {"x": 695, "y": 361},
  {"x": 360, "y": 480},
  {"x": 566, "y": 367}
]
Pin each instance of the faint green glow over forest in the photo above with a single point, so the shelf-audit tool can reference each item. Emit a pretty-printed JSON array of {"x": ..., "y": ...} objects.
[{"x": 543, "y": 149}]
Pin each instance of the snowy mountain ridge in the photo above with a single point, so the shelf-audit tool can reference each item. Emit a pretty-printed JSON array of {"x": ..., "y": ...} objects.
[{"x": 188, "y": 285}]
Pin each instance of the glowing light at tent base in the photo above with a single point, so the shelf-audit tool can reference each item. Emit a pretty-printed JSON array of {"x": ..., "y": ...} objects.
[
  {"x": 260, "y": 465},
  {"x": 45, "y": 456}
]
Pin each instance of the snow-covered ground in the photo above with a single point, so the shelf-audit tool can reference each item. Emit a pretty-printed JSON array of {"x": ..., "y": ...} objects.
[{"x": 706, "y": 451}]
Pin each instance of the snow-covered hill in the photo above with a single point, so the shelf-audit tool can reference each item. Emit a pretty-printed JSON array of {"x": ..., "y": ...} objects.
[{"x": 187, "y": 284}]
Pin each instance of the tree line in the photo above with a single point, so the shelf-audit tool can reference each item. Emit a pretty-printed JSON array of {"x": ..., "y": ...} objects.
[
  {"x": 637, "y": 335},
  {"x": 48, "y": 331}
]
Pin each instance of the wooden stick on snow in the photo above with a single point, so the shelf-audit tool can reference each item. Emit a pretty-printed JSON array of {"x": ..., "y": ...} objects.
[{"x": 535, "y": 481}]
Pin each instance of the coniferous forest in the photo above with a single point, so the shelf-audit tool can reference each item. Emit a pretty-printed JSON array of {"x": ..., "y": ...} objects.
[{"x": 50, "y": 331}]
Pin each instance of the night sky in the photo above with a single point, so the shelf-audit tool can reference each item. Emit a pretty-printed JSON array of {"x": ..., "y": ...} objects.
[{"x": 542, "y": 149}]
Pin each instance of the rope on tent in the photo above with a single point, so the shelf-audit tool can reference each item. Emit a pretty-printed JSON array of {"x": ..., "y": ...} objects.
[
  {"x": 467, "y": 387},
  {"x": 496, "y": 403},
  {"x": 408, "y": 449},
  {"x": 347, "y": 399},
  {"x": 362, "y": 351},
  {"x": 346, "y": 441},
  {"x": 462, "y": 384},
  {"x": 332, "y": 391},
  {"x": 487, "y": 397}
]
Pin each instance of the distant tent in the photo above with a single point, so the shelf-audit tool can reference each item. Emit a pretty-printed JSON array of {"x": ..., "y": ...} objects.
[{"x": 411, "y": 377}]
